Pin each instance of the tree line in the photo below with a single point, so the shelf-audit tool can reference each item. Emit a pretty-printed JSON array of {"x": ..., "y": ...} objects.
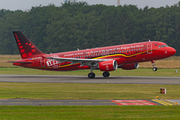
[{"x": 75, "y": 25}]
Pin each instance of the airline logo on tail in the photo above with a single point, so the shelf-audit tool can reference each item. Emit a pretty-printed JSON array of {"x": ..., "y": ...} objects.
[{"x": 25, "y": 46}]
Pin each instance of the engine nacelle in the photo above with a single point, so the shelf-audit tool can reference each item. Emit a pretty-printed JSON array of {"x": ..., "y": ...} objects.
[
  {"x": 108, "y": 65},
  {"x": 130, "y": 66}
]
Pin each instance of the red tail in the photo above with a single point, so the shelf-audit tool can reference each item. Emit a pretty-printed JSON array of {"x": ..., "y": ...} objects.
[{"x": 26, "y": 48}]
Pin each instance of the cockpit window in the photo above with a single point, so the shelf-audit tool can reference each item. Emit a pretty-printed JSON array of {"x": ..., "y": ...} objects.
[{"x": 161, "y": 46}]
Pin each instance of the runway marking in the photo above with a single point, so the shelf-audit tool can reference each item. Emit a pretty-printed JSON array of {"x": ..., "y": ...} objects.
[
  {"x": 80, "y": 102},
  {"x": 50, "y": 102},
  {"x": 175, "y": 103},
  {"x": 20, "y": 102},
  {"x": 164, "y": 102},
  {"x": 105, "y": 102},
  {"x": 133, "y": 102}
]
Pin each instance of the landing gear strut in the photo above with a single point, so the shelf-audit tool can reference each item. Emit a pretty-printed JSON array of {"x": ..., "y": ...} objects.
[
  {"x": 91, "y": 75},
  {"x": 106, "y": 74},
  {"x": 154, "y": 68}
]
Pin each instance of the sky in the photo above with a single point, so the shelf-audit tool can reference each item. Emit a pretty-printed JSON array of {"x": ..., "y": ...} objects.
[{"x": 27, "y": 4}]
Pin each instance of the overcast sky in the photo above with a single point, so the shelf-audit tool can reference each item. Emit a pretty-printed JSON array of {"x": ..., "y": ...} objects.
[{"x": 27, "y": 4}]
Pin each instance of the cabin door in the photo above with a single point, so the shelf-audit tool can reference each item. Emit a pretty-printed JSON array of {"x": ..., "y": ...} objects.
[
  {"x": 149, "y": 48},
  {"x": 43, "y": 62}
]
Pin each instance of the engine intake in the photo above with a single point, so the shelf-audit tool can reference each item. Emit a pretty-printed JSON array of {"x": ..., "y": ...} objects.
[
  {"x": 110, "y": 65},
  {"x": 130, "y": 66}
]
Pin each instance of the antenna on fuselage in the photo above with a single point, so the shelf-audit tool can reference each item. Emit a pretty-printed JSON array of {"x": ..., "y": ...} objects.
[
  {"x": 78, "y": 49},
  {"x": 149, "y": 40}
]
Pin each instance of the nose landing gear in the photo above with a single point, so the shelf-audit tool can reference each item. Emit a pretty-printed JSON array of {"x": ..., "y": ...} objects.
[{"x": 154, "y": 68}]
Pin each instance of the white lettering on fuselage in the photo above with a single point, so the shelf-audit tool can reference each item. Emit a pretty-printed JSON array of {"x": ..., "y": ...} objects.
[
  {"x": 51, "y": 63},
  {"x": 95, "y": 52}
]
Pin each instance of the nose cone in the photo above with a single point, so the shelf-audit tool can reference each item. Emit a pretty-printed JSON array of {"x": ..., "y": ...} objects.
[{"x": 171, "y": 51}]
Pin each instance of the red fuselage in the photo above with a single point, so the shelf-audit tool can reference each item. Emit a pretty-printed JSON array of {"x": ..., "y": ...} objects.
[{"x": 123, "y": 54}]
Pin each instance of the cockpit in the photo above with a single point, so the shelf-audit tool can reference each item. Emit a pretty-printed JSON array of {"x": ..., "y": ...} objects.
[{"x": 162, "y": 46}]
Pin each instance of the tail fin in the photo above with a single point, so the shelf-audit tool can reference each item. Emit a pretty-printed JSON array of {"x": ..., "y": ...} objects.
[{"x": 26, "y": 47}]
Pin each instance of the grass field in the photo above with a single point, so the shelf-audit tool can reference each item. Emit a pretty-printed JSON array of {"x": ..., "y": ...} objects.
[
  {"x": 78, "y": 91},
  {"x": 90, "y": 112}
]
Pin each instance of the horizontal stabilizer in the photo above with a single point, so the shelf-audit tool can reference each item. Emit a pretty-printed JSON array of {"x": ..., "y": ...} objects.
[{"x": 18, "y": 62}]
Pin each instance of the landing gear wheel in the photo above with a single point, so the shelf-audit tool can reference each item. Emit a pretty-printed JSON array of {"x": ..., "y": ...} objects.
[
  {"x": 106, "y": 74},
  {"x": 91, "y": 75},
  {"x": 154, "y": 68}
]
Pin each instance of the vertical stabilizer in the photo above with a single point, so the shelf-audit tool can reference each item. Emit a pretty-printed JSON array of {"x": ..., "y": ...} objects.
[{"x": 26, "y": 48}]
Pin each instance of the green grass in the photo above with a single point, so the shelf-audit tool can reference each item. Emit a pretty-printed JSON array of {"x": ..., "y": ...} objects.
[
  {"x": 78, "y": 91},
  {"x": 90, "y": 112},
  {"x": 118, "y": 72}
]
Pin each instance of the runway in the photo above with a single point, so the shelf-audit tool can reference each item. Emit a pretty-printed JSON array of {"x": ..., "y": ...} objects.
[{"x": 85, "y": 79}]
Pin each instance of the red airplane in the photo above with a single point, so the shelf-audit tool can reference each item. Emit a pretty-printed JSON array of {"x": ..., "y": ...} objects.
[{"x": 106, "y": 59}]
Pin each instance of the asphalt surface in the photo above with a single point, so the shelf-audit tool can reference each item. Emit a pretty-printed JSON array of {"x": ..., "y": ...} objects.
[
  {"x": 85, "y": 79},
  {"x": 75, "y": 102},
  {"x": 27, "y": 102}
]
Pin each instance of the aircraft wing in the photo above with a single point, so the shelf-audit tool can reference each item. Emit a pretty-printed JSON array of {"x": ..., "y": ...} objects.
[{"x": 77, "y": 60}]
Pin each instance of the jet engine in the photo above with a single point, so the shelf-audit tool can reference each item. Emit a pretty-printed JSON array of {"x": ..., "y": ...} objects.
[
  {"x": 130, "y": 66},
  {"x": 110, "y": 65}
]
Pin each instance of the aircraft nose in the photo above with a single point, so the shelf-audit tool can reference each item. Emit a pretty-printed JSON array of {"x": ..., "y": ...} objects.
[{"x": 171, "y": 51}]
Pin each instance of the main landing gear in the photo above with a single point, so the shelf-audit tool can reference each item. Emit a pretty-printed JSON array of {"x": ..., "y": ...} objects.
[
  {"x": 92, "y": 75},
  {"x": 154, "y": 68},
  {"x": 106, "y": 74}
]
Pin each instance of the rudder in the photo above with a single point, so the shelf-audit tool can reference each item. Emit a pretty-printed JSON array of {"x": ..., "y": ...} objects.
[{"x": 26, "y": 48}]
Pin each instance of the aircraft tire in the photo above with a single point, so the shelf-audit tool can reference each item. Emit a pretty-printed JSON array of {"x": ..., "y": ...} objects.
[
  {"x": 106, "y": 74},
  {"x": 154, "y": 68},
  {"x": 91, "y": 75}
]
